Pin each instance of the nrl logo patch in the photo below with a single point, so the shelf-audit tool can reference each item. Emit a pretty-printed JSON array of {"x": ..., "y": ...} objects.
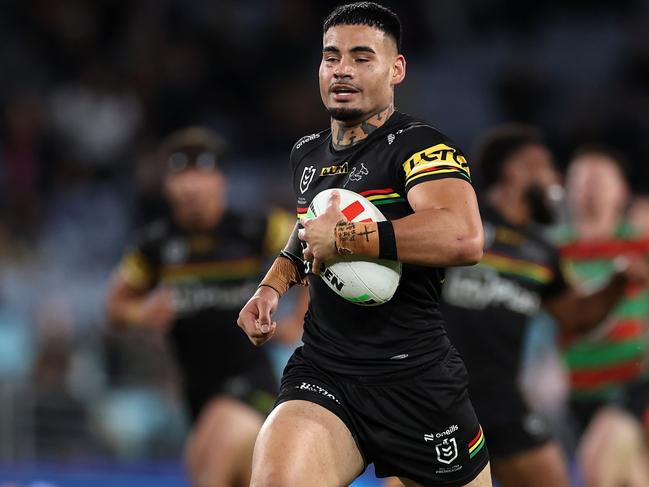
[
  {"x": 446, "y": 451},
  {"x": 307, "y": 177}
]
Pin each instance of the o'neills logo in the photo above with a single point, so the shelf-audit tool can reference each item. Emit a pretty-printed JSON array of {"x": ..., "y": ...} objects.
[
  {"x": 305, "y": 139},
  {"x": 333, "y": 170}
]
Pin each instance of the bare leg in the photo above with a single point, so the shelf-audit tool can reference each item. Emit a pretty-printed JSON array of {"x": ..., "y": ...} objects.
[
  {"x": 538, "y": 467},
  {"x": 613, "y": 452},
  {"x": 302, "y": 443},
  {"x": 482, "y": 480},
  {"x": 219, "y": 451}
]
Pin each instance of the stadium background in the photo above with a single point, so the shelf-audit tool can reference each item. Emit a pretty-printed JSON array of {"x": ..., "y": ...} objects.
[{"x": 88, "y": 88}]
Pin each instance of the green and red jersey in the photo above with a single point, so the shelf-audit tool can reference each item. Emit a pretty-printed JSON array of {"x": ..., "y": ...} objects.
[{"x": 616, "y": 353}]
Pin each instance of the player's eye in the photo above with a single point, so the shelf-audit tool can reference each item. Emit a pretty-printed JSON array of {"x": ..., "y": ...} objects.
[{"x": 362, "y": 60}]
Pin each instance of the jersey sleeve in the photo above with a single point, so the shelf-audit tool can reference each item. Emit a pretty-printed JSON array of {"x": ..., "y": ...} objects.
[
  {"x": 136, "y": 270},
  {"x": 139, "y": 266},
  {"x": 428, "y": 155},
  {"x": 558, "y": 284},
  {"x": 279, "y": 225}
]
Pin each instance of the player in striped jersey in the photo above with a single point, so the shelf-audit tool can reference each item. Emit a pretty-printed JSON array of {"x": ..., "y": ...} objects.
[
  {"x": 489, "y": 306},
  {"x": 372, "y": 384},
  {"x": 187, "y": 276},
  {"x": 609, "y": 367}
]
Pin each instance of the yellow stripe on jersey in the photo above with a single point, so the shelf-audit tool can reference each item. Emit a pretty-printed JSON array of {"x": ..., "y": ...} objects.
[
  {"x": 383, "y": 196},
  {"x": 221, "y": 270},
  {"x": 279, "y": 226},
  {"x": 441, "y": 156},
  {"x": 136, "y": 270},
  {"x": 428, "y": 173}
]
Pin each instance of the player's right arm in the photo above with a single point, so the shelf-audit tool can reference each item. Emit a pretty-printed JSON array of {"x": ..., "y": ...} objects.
[
  {"x": 133, "y": 301},
  {"x": 577, "y": 312},
  {"x": 255, "y": 318}
]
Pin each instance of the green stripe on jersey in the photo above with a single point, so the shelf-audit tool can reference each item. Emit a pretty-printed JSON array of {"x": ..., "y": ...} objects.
[
  {"x": 388, "y": 200},
  {"x": 595, "y": 355}
]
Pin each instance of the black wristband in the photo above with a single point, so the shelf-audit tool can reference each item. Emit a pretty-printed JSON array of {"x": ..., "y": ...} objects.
[{"x": 387, "y": 241}]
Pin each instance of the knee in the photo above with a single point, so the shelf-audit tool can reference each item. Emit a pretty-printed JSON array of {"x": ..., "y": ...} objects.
[
  {"x": 195, "y": 466},
  {"x": 201, "y": 468},
  {"x": 275, "y": 477}
]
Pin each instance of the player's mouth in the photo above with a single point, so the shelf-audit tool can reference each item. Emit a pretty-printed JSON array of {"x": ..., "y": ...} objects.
[{"x": 343, "y": 92}]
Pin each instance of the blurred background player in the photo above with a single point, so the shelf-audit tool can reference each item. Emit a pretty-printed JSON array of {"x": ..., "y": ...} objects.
[
  {"x": 608, "y": 367},
  {"x": 188, "y": 276},
  {"x": 488, "y": 306}
]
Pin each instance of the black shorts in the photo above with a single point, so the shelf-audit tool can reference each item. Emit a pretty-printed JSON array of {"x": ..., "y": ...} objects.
[
  {"x": 509, "y": 424},
  {"x": 256, "y": 387},
  {"x": 418, "y": 424}
]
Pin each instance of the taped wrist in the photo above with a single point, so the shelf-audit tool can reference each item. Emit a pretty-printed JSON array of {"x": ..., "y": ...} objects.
[
  {"x": 366, "y": 238},
  {"x": 284, "y": 274}
]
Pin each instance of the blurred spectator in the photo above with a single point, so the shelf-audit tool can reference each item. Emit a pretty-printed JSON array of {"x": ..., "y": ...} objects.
[{"x": 608, "y": 367}]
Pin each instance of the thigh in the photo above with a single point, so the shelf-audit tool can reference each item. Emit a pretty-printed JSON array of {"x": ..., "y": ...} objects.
[
  {"x": 303, "y": 443},
  {"x": 219, "y": 448},
  {"x": 483, "y": 479},
  {"x": 537, "y": 467}
]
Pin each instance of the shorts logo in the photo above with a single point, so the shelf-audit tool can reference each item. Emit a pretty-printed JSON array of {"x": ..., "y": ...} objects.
[
  {"x": 305, "y": 386},
  {"x": 334, "y": 170},
  {"x": 446, "y": 451},
  {"x": 307, "y": 177}
]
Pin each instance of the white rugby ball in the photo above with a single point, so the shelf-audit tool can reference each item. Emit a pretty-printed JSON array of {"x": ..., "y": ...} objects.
[{"x": 366, "y": 282}]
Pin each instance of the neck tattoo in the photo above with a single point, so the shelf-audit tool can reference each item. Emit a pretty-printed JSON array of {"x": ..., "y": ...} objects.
[{"x": 345, "y": 136}]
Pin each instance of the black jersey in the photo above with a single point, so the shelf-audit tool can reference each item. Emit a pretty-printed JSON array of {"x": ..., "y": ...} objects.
[
  {"x": 407, "y": 330},
  {"x": 212, "y": 275},
  {"x": 487, "y": 307}
]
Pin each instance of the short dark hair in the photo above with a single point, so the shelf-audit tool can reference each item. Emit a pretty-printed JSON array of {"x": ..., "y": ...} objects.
[
  {"x": 366, "y": 13},
  {"x": 604, "y": 150},
  {"x": 497, "y": 145}
]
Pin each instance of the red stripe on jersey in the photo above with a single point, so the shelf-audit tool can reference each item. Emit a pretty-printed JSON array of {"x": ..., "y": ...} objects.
[
  {"x": 626, "y": 329},
  {"x": 353, "y": 210},
  {"x": 604, "y": 250},
  {"x": 595, "y": 377},
  {"x": 302, "y": 209},
  {"x": 370, "y": 192}
]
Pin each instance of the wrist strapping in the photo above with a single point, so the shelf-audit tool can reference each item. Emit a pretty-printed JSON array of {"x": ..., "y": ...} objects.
[
  {"x": 370, "y": 239},
  {"x": 283, "y": 274}
]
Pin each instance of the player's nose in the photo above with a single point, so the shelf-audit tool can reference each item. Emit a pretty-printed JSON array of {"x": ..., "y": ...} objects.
[{"x": 344, "y": 69}]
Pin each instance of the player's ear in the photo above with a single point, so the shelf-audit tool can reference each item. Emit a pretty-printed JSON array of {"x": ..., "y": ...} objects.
[{"x": 398, "y": 69}]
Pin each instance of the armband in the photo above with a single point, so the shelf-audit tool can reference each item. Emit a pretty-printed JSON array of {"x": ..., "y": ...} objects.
[
  {"x": 284, "y": 273},
  {"x": 371, "y": 239}
]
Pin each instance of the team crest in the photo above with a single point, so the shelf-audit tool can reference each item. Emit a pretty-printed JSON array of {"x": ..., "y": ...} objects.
[
  {"x": 446, "y": 451},
  {"x": 307, "y": 177},
  {"x": 357, "y": 173}
]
